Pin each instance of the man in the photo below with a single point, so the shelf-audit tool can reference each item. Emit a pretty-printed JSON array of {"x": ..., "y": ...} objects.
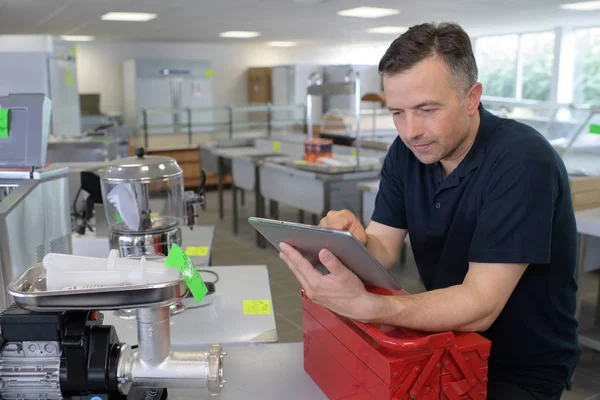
[{"x": 488, "y": 207}]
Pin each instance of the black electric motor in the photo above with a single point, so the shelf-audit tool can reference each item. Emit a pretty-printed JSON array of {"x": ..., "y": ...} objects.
[{"x": 62, "y": 355}]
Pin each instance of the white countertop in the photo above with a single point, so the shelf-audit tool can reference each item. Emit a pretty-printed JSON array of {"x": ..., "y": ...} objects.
[
  {"x": 261, "y": 372},
  {"x": 223, "y": 321}
]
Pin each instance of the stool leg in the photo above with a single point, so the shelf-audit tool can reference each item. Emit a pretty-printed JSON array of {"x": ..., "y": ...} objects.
[{"x": 234, "y": 191}]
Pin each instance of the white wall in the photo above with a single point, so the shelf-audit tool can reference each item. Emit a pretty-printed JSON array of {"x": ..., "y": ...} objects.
[
  {"x": 100, "y": 64},
  {"x": 100, "y": 67},
  {"x": 335, "y": 55}
]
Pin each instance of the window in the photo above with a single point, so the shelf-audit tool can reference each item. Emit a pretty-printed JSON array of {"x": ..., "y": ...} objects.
[
  {"x": 586, "y": 85},
  {"x": 497, "y": 62},
  {"x": 517, "y": 66},
  {"x": 537, "y": 57}
]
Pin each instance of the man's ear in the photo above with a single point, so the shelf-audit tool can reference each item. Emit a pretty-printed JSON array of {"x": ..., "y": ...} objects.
[{"x": 474, "y": 98}]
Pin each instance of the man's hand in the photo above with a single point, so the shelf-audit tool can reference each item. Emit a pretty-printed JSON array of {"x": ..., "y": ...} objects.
[
  {"x": 345, "y": 220},
  {"x": 382, "y": 241},
  {"x": 341, "y": 290}
]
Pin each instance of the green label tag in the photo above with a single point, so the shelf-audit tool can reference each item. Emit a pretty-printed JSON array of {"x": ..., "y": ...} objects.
[
  {"x": 4, "y": 113},
  {"x": 118, "y": 217},
  {"x": 595, "y": 129},
  {"x": 179, "y": 260}
]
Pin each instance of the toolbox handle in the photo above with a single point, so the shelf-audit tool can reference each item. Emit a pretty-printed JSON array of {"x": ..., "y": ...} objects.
[
  {"x": 424, "y": 342},
  {"x": 429, "y": 342}
]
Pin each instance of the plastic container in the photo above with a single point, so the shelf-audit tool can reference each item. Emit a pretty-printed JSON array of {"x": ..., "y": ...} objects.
[
  {"x": 314, "y": 149},
  {"x": 67, "y": 272},
  {"x": 143, "y": 194}
]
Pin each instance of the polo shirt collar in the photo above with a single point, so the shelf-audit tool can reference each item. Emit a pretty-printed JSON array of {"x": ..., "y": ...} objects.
[{"x": 476, "y": 154}]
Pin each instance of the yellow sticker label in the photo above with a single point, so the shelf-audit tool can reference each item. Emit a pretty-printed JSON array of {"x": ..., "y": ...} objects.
[
  {"x": 276, "y": 146},
  {"x": 196, "y": 251},
  {"x": 75, "y": 51},
  {"x": 154, "y": 214},
  {"x": 353, "y": 153},
  {"x": 257, "y": 307},
  {"x": 69, "y": 77},
  {"x": 208, "y": 73}
]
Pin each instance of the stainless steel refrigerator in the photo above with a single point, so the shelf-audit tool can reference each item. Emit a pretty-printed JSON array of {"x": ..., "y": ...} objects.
[{"x": 167, "y": 84}]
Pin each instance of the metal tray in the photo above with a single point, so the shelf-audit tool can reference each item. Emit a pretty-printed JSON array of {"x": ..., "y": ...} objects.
[
  {"x": 329, "y": 169},
  {"x": 29, "y": 292}
]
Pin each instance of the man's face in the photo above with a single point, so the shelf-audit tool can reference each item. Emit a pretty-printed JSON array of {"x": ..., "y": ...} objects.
[{"x": 430, "y": 113}]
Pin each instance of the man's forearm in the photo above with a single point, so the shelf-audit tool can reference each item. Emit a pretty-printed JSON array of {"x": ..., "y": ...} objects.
[
  {"x": 457, "y": 308},
  {"x": 382, "y": 255}
]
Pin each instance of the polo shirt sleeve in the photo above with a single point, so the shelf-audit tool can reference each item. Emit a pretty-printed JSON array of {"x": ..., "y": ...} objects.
[
  {"x": 389, "y": 203},
  {"x": 514, "y": 224}
]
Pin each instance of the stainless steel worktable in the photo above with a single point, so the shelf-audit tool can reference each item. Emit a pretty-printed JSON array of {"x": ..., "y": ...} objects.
[
  {"x": 314, "y": 192},
  {"x": 221, "y": 317},
  {"x": 245, "y": 169},
  {"x": 368, "y": 194},
  {"x": 224, "y": 163},
  {"x": 261, "y": 372}
]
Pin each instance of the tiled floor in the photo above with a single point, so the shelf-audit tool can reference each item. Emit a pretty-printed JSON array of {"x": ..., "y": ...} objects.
[{"x": 229, "y": 249}]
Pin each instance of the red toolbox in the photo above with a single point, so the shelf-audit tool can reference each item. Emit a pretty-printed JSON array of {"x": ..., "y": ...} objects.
[{"x": 353, "y": 360}]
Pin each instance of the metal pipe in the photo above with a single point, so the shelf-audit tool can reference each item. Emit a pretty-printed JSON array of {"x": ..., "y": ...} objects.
[
  {"x": 154, "y": 365},
  {"x": 181, "y": 370},
  {"x": 269, "y": 117},
  {"x": 571, "y": 140},
  {"x": 354, "y": 75},
  {"x": 154, "y": 334},
  {"x": 145, "y": 122},
  {"x": 230, "y": 109},
  {"x": 314, "y": 80},
  {"x": 189, "y": 124},
  {"x": 374, "y": 119}
]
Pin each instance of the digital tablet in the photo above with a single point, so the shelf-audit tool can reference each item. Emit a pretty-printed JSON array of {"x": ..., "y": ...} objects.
[{"x": 309, "y": 240}]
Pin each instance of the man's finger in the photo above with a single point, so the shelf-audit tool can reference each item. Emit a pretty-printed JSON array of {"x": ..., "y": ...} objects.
[
  {"x": 338, "y": 220},
  {"x": 294, "y": 270},
  {"x": 302, "y": 265},
  {"x": 331, "y": 262}
]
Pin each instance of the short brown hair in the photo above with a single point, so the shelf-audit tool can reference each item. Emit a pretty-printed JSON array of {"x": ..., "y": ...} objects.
[{"x": 446, "y": 40}]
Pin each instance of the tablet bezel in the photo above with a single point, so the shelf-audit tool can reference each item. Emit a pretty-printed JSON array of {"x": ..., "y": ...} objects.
[{"x": 310, "y": 240}]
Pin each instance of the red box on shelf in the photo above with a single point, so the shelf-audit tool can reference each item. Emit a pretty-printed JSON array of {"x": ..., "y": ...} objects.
[{"x": 353, "y": 360}]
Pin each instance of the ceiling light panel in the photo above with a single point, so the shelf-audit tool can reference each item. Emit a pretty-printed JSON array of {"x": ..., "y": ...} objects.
[
  {"x": 282, "y": 43},
  {"x": 77, "y": 38},
  {"x": 368, "y": 12},
  {"x": 128, "y": 16},
  {"x": 239, "y": 34},
  {"x": 388, "y": 30}
]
